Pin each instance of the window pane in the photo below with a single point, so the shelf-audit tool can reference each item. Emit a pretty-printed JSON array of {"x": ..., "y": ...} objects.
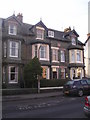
[
  {"x": 12, "y": 29},
  {"x": 43, "y": 52},
  {"x": 62, "y": 56},
  {"x": 40, "y": 34},
  {"x": 73, "y": 56},
  {"x": 36, "y": 50},
  {"x": 13, "y": 74},
  {"x": 62, "y": 73},
  {"x": 54, "y": 54},
  {"x": 78, "y": 55},
  {"x": 12, "y": 69},
  {"x": 14, "y": 49},
  {"x": 73, "y": 41},
  {"x": 4, "y": 74},
  {"x": 5, "y": 49},
  {"x": 51, "y": 33}
]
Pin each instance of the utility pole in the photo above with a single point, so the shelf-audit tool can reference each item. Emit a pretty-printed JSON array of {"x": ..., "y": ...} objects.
[
  {"x": 0, "y": 67},
  {"x": 39, "y": 75}
]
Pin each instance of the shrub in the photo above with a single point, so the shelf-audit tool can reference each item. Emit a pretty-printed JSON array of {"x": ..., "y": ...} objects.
[
  {"x": 31, "y": 72},
  {"x": 52, "y": 82}
]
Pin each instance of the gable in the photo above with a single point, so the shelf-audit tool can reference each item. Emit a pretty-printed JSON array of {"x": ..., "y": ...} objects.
[
  {"x": 13, "y": 19},
  {"x": 41, "y": 24}
]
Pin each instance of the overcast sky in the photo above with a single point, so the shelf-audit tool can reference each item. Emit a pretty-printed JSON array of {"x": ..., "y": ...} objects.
[{"x": 56, "y": 14}]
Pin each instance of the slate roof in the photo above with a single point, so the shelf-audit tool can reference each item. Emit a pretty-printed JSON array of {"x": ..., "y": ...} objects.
[
  {"x": 58, "y": 35},
  {"x": 70, "y": 32},
  {"x": 26, "y": 29}
]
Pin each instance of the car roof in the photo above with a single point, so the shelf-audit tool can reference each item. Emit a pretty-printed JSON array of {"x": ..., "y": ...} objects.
[{"x": 76, "y": 79}]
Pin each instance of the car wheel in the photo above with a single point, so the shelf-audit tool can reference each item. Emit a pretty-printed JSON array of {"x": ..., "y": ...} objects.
[{"x": 80, "y": 93}]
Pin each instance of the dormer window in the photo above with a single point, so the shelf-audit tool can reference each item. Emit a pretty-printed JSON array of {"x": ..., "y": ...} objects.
[
  {"x": 73, "y": 41},
  {"x": 50, "y": 33},
  {"x": 40, "y": 33},
  {"x": 12, "y": 29}
]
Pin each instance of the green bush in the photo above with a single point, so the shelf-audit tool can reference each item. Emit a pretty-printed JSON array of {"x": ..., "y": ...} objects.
[
  {"x": 32, "y": 71},
  {"x": 31, "y": 83},
  {"x": 52, "y": 82}
]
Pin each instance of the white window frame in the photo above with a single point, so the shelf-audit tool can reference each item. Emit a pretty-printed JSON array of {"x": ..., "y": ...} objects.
[
  {"x": 55, "y": 54},
  {"x": 16, "y": 48},
  {"x": 16, "y": 74},
  {"x": 40, "y": 33},
  {"x": 62, "y": 56},
  {"x": 50, "y": 33},
  {"x": 12, "y": 29},
  {"x": 55, "y": 69}
]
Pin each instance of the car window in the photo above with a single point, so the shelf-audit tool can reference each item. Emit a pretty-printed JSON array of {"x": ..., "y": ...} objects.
[
  {"x": 88, "y": 81},
  {"x": 77, "y": 83},
  {"x": 83, "y": 82},
  {"x": 69, "y": 82}
]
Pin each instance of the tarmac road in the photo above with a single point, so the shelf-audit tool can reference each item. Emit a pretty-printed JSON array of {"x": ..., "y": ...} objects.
[{"x": 45, "y": 107}]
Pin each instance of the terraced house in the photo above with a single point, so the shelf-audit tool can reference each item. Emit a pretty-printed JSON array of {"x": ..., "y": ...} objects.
[{"x": 60, "y": 52}]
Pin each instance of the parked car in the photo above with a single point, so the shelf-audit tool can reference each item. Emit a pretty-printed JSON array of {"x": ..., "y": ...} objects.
[
  {"x": 78, "y": 87},
  {"x": 87, "y": 106}
]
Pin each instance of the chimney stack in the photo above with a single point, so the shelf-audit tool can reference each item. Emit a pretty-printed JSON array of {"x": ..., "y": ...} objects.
[
  {"x": 67, "y": 29},
  {"x": 20, "y": 17}
]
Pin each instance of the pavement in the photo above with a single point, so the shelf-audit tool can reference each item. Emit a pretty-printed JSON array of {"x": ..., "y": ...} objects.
[{"x": 30, "y": 96}]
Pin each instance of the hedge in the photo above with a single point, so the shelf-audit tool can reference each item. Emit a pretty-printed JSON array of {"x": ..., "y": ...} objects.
[{"x": 52, "y": 82}]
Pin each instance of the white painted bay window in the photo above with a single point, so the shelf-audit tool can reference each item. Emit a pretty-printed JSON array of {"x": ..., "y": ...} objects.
[{"x": 41, "y": 51}]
